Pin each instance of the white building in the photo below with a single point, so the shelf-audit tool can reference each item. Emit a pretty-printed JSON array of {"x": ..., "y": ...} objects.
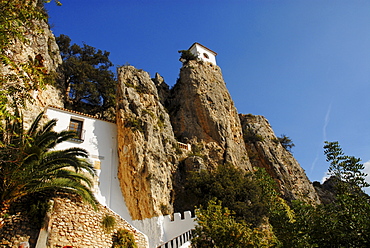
[
  {"x": 99, "y": 138},
  {"x": 203, "y": 53}
]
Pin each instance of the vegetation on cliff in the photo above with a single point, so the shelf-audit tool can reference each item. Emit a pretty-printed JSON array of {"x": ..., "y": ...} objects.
[
  {"x": 218, "y": 227},
  {"x": 344, "y": 222},
  {"x": 17, "y": 20}
]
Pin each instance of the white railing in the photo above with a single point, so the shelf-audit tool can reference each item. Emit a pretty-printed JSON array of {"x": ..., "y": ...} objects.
[
  {"x": 178, "y": 241},
  {"x": 184, "y": 146}
]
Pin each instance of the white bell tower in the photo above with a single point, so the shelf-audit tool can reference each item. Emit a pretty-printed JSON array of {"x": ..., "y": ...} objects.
[{"x": 203, "y": 53}]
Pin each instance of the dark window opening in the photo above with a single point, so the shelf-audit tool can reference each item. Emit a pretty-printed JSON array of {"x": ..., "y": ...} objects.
[
  {"x": 76, "y": 126},
  {"x": 206, "y": 55}
]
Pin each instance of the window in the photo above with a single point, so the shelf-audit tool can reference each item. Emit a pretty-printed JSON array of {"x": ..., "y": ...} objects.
[
  {"x": 206, "y": 55},
  {"x": 76, "y": 126}
]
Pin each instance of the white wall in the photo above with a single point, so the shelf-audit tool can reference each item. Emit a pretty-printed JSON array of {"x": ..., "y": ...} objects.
[
  {"x": 100, "y": 140},
  {"x": 162, "y": 229},
  {"x": 199, "y": 51}
]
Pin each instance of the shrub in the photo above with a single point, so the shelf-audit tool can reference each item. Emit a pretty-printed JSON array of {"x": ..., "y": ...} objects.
[
  {"x": 165, "y": 209},
  {"x": 286, "y": 142},
  {"x": 251, "y": 136},
  {"x": 108, "y": 223},
  {"x": 134, "y": 124},
  {"x": 217, "y": 227},
  {"x": 187, "y": 55},
  {"x": 235, "y": 188},
  {"x": 124, "y": 239}
]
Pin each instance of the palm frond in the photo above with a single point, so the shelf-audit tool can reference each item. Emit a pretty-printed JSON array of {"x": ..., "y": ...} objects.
[
  {"x": 28, "y": 163},
  {"x": 35, "y": 124}
]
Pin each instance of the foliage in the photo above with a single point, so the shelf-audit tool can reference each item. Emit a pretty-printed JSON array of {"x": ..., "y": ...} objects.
[
  {"x": 277, "y": 207},
  {"x": 186, "y": 55},
  {"x": 124, "y": 239},
  {"x": 251, "y": 136},
  {"x": 108, "y": 222},
  {"x": 286, "y": 142},
  {"x": 165, "y": 209},
  {"x": 135, "y": 124},
  {"x": 88, "y": 84},
  {"x": 346, "y": 168},
  {"x": 37, "y": 205},
  {"x": 161, "y": 122},
  {"x": 236, "y": 189},
  {"x": 17, "y": 20},
  {"x": 29, "y": 163},
  {"x": 217, "y": 227},
  {"x": 342, "y": 223}
]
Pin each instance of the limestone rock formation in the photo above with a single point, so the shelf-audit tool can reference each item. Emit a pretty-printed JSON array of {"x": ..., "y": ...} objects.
[
  {"x": 152, "y": 169},
  {"x": 42, "y": 49},
  {"x": 265, "y": 151},
  {"x": 201, "y": 108},
  {"x": 148, "y": 152},
  {"x": 163, "y": 89}
]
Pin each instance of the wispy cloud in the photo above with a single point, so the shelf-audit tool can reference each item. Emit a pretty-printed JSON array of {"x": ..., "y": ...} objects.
[
  {"x": 326, "y": 121},
  {"x": 314, "y": 163}
]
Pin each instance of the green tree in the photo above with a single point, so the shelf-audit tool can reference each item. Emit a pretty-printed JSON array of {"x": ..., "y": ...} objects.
[
  {"x": 29, "y": 163},
  {"x": 88, "y": 84},
  {"x": 186, "y": 55},
  {"x": 217, "y": 227},
  {"x": 342, "y": 223},
  {"x": 286, "y": 142},
  {"x": 235, "y": 188},
  {"x": 347, "y": 169}
]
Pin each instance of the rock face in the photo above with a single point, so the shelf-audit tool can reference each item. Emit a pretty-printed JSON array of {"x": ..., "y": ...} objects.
[
  {"x": 265, "y": 151},
  {"x": 327, "y": 190},
  {"x": 41, "y": 49},
  {"x": 146, "y": 146},
  {"x": 201, "y": 108},
  {"x": 153, "y": 168}
]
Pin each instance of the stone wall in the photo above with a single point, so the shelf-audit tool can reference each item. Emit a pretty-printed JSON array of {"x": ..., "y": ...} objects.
[
  {"x": 17, "y": 228},
  {"x": 77, "y": 224}
]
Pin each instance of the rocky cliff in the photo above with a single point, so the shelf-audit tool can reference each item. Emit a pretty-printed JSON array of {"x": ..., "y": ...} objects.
[
  {"x": 41, "y": 49},
  {"x": 200, "y": 112},
  {"x": 201, "y": 109},
  {"x": 265, "y": 151},
  {"x": 148, "y": 151}
]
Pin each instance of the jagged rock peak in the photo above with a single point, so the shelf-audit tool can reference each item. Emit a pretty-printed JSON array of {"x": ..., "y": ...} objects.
[
  {"x": 147, "y": 149},
  {"x": 201, "y": 108},
  {"x": 163, "y": 89},
  {"x": 265, "y": 151}
]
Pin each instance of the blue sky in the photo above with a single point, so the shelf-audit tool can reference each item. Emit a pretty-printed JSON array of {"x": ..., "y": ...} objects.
[{"x": 304, "y": 65}]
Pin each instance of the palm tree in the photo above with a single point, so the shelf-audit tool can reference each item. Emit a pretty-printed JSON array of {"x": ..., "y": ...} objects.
[{"x": 29, "y": 163}]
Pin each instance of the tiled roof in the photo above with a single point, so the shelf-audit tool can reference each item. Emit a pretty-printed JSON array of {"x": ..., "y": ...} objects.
[{"x": 79, "y": 113}]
